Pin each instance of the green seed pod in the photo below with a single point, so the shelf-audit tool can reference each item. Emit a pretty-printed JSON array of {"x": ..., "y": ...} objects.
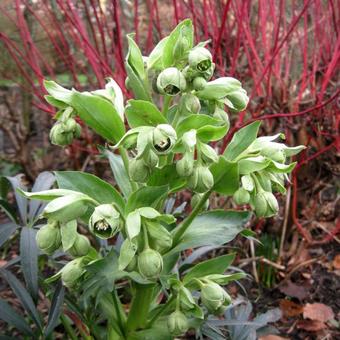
[
  {"x": 150, "y": 264},
  {"x": 185, "y": 166},
  {"x": 201, "y": 179},
  {"x": 138, "y": 170},
  {"x": 241, "y": 196},
  {"x": 199, "y": 83},
  {"x": 200, "y": 59},
  {"x": 214, "y": 297},
  {"x": 171, "y": 82},
  {"x": 81, "y": 246},
  {"x": 177, "y": 323},
  {"x": 164, "y": 138},
  {"x": 66, "y": 208},
  {"x": 72, "y": 272},
  {"x": 189, "y": 104},
  {"x": 105, "y": 221},
  {"x": 49, "y": 238},
  {"x": 195, "y": 199}
]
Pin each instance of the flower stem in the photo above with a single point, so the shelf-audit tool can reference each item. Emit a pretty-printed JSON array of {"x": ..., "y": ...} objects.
[
  {"x": 167, "y": 101},
  {"x": 181, "y": 229},
  {"x": 125, "y": 158},
  {"x": 161, "y": 311},
  {"x": 68, "y": 328}
]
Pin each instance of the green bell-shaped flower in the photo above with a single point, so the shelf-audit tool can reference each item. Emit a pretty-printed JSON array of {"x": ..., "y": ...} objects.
[
  {"x": 81, "y": 246},
  {"x": 185, "y": 166},
  {"x": 138, "y": 170},
  {"x": 59, "y": 136},
  {"x": 150, "y": 264},
  {"x": 241, "y": 196},
  {"x": 265, "y": 204},
  {"x": 189, "y": 104},
  {"x": 49, "y": 238},
  {"x": 105, "y": 221},
  {"x": 201, "y": 179},
  {"x": 200, "y": 59},
  {"x": 171, "y": 82},
  {"x": 177, "y": 323},
  {"x": 72, "y": 272},
  {"x": 214, "y": 297},
  {"x": 164, "y": 138}
]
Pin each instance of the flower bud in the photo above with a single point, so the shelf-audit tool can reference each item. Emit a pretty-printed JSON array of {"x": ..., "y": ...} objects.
[
  {"x": 201, "y": 179},
  {"x": 195, "y": 199},
  {"x": 164, "y": 138},
  {"x": 81, "y": 246},
  {"x": 208, "y": 154},
  {"x": 67, "y": 208},
  {"x": 214, "y": 297},
  {"x": 189, "y": 104},
  {"x": 185, "y": 166},
  {"x": 273, "y": 151},
  {"x": 70, "y": 125},
  {"x": 49, "y": 238},
  {"x": 265, "y": 204},
  {"x": 222, "y": 115},
  {"x": 72, "y": 271},
  {"x": 59, "y": 136},
  {"x": 150, "y": 159},
  {"x": 105, "y": 221},
  {"x": 171, "y": 81},
  {"x": 150, "y": 264},
  {"x": 200, "y": 59},
  {"x": 177, "y": 323},
  {"x": 199, "y": 83},
  {"x": 241, "y": 196},
  {"x": 138, "y": 170}
]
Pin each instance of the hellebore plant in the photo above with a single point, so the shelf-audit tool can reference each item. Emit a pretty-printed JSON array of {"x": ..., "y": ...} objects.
[{"x": 163, "y": 152}]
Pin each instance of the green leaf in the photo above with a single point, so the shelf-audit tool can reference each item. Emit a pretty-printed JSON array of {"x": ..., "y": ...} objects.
[
  {"x": 281, "y": 168},
  {"x": 127, "y": 253},
  {"x": 212, "y": 228},
  {"x": 208, "y": 128},
  {"x": 9, "y": 315},
  {"x": 29, "y": 259},
  {"x": 225, "y": 279},
  {"x": 119, "y": 172},
  {"x": 155, "y": 60},
  {"x": 97, "y": 112},
  {"x": 146, "y": 196},
  {"x": 143, "y": 113},
  {"x": 90, "y": 185},
  {"x": 68, "y": 234},
  {"x": 135, "y": 58},
  {"x": 216, "y": 265},
  {"x": 186, "y": 29},
  {"x": 138, "y": 87},
  {"x": 22, "y": 294},
  {"x": 133, "y": 224},
  {"x": 167, "y": 175},
  {"x": 6, "y": 230},
  {"x": 252, "y": 164},
  {"x": 8, "y": 210},
  {"x": 241, "y": 140},
  {"x": 55, "y": 310},
  {"x": 47, "y": 195},
  {"x": 226, "y": 176}
]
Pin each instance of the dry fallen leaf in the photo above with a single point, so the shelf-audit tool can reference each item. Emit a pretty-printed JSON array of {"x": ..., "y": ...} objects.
[
  {"x": 290, "y": 308},
  {"x": 310, "y": 325},
  {"x": 293, "y": 290},
  {"x": 318, "y": 312},
  {"x": 272, "y": 337}
]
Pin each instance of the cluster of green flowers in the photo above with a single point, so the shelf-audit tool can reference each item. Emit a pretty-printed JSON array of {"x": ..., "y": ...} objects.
[{"x": 264, "y": 171}]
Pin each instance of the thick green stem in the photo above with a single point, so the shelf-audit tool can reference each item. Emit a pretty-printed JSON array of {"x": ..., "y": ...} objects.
[
  {"x": 68, "y": 328},
  {"x": 125, "y": 158},
  {"x": 139, "y": 311},
  {"x": 181, "y": 229}
]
